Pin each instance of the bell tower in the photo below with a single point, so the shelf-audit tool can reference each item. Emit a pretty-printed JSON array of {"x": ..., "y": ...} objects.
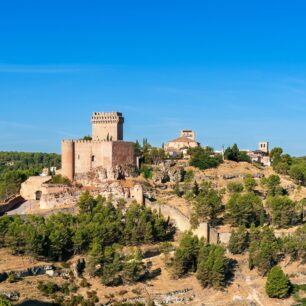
[{"x": 107, "y": 126}]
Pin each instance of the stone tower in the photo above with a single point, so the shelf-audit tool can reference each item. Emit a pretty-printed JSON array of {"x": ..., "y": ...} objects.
[
  {"x": 107, "y": 126},
  {"x": 68, "y": 147},
  {"x": 263, "y": 146},
  {"x": 188, "y": 133}
]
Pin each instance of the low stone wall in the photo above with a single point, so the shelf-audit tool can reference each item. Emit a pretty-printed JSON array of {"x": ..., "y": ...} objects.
[{"x": 182, "y": 222}]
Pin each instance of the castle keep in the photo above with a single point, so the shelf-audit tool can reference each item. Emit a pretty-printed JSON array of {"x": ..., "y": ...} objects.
[{"x": 106, "y": 149}]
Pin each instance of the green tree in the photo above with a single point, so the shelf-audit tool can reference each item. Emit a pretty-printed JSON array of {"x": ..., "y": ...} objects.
[
  {"x": 133, "y": 268},
  {"x": 233, "y": 153},
  {"x": 204, "y": 158},
  {"x": 283, "y": 211},
  {"x": 239, "y": 240},
  {"x": 243, "y": 209},
  {"x": 208, "y": 204},
  {"x": 298, "y": 174},
  {"x": 212, "y": 266},
  {"x": 278, "y": 285},
  {"x": 87, "y": 203},
  {"x": 263, "y": 250},
  {"x": 272, "y": 185},
  {"x": 185, "y": 256}
]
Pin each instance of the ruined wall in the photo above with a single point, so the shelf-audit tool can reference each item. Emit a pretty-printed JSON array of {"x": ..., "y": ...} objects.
[
  {"x": 136, "y": 193},
  {"x": 11, "y": 204},
  {"x": 32, "y": 185},
  {"x": 182, "y": 222}
]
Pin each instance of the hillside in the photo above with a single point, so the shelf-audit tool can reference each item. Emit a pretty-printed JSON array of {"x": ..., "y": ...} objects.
[{"x": 132, "y": 255}]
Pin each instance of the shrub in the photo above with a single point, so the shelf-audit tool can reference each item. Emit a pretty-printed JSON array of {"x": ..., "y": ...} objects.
[{"x": 234, "y": 187}]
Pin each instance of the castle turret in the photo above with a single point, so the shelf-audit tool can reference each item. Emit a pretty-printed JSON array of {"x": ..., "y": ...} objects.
[
  {"x": 107, "y": 126},
  {"x": 264, "y": 146},
  {"x": 68, "y": 159}
]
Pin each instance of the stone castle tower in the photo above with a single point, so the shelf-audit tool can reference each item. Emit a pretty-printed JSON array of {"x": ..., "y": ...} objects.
[
  {"x": 264, "y": 146},
  {"x": 107, "y": 126},
  {"x": 106, "y": 149}
]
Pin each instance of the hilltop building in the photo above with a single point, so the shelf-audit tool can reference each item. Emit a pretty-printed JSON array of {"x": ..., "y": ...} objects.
[
  {"x": 106, "y": 149},
  {"x": 180, "y": 145},
  {"x": 261, "y": 155}
]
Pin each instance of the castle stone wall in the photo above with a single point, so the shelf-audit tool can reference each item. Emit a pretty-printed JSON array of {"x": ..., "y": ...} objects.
[
  {"x": 123, "y": 153},
  {"x": 82, "y": 156},
  {"x": 68, "y": 158}
]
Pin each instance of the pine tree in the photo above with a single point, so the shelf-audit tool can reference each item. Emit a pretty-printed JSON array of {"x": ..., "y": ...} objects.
[
  {"x": 149, "y": 237},
  {"x": 238, "y": 242},
  {"x": 185, "y": 257},
  {"x": 212, "y": 265},
  {"x": 278, "y": 284}
]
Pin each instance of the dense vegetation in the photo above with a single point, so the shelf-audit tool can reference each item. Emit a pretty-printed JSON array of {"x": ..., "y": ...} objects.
[
  {"x": 99, "y": 223},
  {"x": 285, "y": 164},
  {"x": 204, "y": 158},
  {"x": 206, "y": 260},
  {"x": 16, "y": 167},
  {"x": 233, "y": 153},
  {"x": 265, "y": 250}
]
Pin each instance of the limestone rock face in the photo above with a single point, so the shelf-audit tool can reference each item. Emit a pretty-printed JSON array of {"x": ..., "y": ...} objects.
[
  {"x": 100, "y": 175},
  {"x": 176, "y": 174},
  {"x": 161, "y": 177},
  {"x": 168, "y": 172}
]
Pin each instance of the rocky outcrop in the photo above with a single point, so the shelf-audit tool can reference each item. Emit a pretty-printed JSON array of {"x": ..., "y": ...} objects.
[
  {"x": 100, "y": 175},
  {"x": 32, "y": 271},
  {"x": 168, "y": 172},
  {"x": 10, "y": 295}
]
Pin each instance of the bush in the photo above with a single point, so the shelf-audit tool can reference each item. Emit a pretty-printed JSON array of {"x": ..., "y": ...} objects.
[
  {"x": 59, "y": 179},
  {"x": 146, "y": 172},
  {"x": 249, "y": 183},
  {"x": 204, "y": 158},
  {"x": 48, "y": 288},
  {"x": 234, "y": 187}
]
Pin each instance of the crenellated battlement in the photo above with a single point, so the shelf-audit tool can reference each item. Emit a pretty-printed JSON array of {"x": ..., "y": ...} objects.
[
  {"x": 107, "y": 117},
  {"x": 67, "y": 140}
]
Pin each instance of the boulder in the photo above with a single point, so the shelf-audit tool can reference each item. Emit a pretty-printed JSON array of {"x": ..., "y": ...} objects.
[{"x": 11, "y": 295}]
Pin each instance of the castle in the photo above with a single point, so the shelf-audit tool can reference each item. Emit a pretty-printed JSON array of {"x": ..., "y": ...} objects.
[{"x": 106, "y": 148}]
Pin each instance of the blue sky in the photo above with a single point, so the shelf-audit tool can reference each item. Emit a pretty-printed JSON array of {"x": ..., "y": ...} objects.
[{"x": 234, "y": 71}]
